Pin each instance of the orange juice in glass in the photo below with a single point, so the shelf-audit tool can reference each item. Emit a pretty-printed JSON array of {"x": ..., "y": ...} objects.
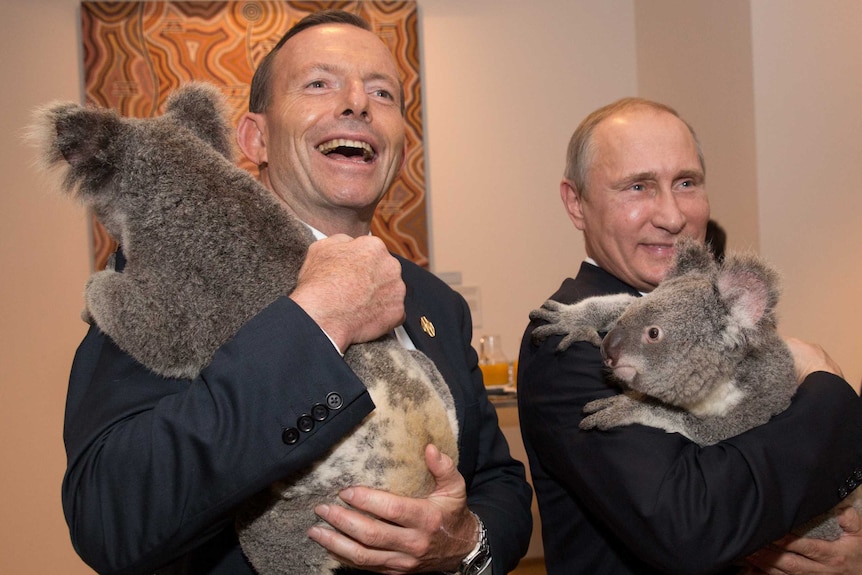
[
  {"x": 492, "y": 361},
  {"x": 495, "y": 373}
]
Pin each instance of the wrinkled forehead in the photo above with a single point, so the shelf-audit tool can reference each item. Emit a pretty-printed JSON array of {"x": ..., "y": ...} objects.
[
  {"x": 338, "y": 47},
  {"x": 645, "y": 140},
  {"x": 645, "y": 127}
]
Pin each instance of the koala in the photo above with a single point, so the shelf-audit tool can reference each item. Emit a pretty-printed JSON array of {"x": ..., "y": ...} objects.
[
  {"x": 207, "y": 247},
  {"x": 700, "y": 355}
]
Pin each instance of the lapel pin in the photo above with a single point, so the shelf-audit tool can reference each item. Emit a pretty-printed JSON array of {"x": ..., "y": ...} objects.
[{"x": 427, "y": 326}]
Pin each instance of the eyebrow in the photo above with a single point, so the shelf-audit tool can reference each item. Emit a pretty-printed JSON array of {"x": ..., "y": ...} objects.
[
  {"x": 693, "y": 174},
  {"x": 335, "y": 69},
  {"x": 652, "y": 175}
]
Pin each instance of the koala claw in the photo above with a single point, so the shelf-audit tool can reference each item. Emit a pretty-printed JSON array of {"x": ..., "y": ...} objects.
[
  {"x": 581, "y": 333},
  {"x": 599, "y": 404},
  {"x": 549, "y": 311},
  {"x": 562, "y": 323},
  {"x": 608, "y": 412}
]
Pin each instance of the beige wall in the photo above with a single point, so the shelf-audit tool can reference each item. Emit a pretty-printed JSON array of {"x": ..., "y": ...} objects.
[
  {"x": 505, "y": 84},
  {"x": 696, "y": 56},
  {"x": 43, "y": 255},
  {"x": 808, "y": 90}
]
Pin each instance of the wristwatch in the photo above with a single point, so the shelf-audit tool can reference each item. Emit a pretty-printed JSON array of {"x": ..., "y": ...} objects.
[{"x": 478, "y": 561}]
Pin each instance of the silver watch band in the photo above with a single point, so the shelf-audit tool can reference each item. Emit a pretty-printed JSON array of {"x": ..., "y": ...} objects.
[{"x": 477, "y": 561}]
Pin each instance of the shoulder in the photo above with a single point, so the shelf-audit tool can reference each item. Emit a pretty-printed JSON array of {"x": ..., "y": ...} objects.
[
  {"x": 415, "y": 273},
  {"x": 590, "y": 281},
  {"x": 423, "y": 284}
]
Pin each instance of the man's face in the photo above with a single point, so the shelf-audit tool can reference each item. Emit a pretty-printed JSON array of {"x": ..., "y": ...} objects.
[
  {"x": 645, "y": 187},
  {"x": 334, "y": 135}
]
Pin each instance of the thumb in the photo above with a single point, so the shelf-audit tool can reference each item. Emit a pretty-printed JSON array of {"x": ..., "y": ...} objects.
[
  {"x": 443, "y": 468},
  {"x": 850, "y": 521}
]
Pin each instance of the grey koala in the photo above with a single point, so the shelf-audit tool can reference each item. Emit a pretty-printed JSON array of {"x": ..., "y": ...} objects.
[
  {"x": 700, "y": 355},
  {"x": 208, "y": 247}
]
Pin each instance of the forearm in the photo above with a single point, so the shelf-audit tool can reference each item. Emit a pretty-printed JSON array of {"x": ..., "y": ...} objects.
[
  {"x": 498, "y": 492},
  {"x": 155, "y": 463},
  {"x": 677, "y": 506},
  {"x": 501, "y": 496}
]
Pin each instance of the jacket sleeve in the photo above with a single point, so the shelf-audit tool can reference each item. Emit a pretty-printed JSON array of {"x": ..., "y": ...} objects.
[
  {"x": 681, "y": 507},
  {"x": 156, "y": 466},
  {"x": 497, "y": 488}
]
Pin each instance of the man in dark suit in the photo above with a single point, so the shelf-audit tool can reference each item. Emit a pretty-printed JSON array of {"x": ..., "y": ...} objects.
[
  {"x": 635, "y": 499},
  {"x": 157, "y": 467}
]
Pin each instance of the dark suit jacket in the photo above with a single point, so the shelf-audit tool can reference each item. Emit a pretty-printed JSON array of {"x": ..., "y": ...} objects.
[
  {"x": 157, "y": 466},
  {"x": 638, "y": 500}
]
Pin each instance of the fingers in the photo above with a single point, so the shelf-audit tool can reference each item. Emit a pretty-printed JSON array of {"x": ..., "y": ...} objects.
[
  {"x": 808, "y": 358},
  {"x": 352, "y": 288},
  {"x": 350, "y": 552},
  {"x": 355, "y": 526},
  {"x": 793, "y": 555},
  {"x": 389, "y": 533},
  {"x": 765, "y": 561},
  {"x": 850, "y": 521},
  {"x": 367, "y": 542}
]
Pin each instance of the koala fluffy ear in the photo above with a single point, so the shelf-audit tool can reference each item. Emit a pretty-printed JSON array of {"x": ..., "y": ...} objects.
[
  {"x": 201, "y": 108},
  {"x": 79, "y": 139},
  {"x": 690, "y": 256},
  {"x": 750, "y": 289}
]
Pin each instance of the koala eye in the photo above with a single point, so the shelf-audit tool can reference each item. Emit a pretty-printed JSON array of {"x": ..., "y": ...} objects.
[{"x": 654, "y": 334}]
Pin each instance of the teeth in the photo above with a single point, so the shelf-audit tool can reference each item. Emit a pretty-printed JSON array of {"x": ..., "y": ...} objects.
[{"x": 326, "y": 147}]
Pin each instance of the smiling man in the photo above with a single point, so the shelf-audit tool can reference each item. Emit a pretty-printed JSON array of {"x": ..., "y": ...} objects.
[
  {"x": 637, "y": 500},
  {"x": 329, "y": 133},
  {"x": 326, "y": 129}
]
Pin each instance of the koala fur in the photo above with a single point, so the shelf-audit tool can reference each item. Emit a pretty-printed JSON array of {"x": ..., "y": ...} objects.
[
  {"x": 700, "y": 355},
  {"x": 208, "y": 247}
]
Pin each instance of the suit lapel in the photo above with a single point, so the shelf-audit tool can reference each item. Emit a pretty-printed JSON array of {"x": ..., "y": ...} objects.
[
  {"x": 421, "y": 328},
  {"x": 428, "y": 336}
]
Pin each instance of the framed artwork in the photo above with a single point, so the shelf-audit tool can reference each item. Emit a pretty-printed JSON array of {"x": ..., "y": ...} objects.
[{"x": 137, "y": 53}]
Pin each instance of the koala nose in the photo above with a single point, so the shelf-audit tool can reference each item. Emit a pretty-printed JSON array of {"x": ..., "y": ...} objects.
[{"x": 610, "y": 347}]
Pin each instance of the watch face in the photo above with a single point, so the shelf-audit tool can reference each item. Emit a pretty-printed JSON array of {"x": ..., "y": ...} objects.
[
  {"x": 477, "y": 565},
  {"x": 477, "y": 562}
]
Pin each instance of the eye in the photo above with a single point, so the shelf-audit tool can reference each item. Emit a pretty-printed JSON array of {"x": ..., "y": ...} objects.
[
  {"x": 654, "y": 334},
  {"x": 688, "y": 182},
  {"x": 638, "y": 187},
  {"x": 317, "y": 84},
  {"x": 381, "y": 93}
]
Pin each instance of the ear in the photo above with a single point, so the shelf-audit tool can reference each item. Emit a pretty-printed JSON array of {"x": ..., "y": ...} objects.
[
  {"x": 81, "y": 134},
  {"x": 690, "y": 255},
  {"x": 573, "y": 203},
  {"x": 201, "y": 108},
  {"x": 250, "y": 137},
  {"x": 750, "y": 290},
  {"x": 80, "y": 141}
]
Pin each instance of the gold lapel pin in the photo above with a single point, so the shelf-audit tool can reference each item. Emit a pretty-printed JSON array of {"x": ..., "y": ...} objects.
[{"x": 427, "y": 326}]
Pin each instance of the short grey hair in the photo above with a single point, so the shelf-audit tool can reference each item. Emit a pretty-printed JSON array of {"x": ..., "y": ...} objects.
[{"x": 579, "y": 157}]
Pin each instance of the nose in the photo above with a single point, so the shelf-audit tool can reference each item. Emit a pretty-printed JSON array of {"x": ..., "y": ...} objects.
[
  {"x": 356, "y": 101},
  {"x": 668, "y": 215},
  {"x": 611, "y": 347}
]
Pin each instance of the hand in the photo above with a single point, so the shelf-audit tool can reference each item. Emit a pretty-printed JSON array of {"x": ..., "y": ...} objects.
[
  {"x": 810, "y": 357},
  {"x": 352, "y": 288},
  {"x": 397, "y": 535},
  {"x": 798, "y": 556}
]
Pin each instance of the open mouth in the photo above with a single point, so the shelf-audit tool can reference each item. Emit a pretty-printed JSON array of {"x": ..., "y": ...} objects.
[{"x": 354, "y": 150}]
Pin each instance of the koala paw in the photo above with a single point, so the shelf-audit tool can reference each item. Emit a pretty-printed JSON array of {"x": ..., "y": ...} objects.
[
  {"x": 563, "y": 320},
  {"x": 610, "y": 412}
]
